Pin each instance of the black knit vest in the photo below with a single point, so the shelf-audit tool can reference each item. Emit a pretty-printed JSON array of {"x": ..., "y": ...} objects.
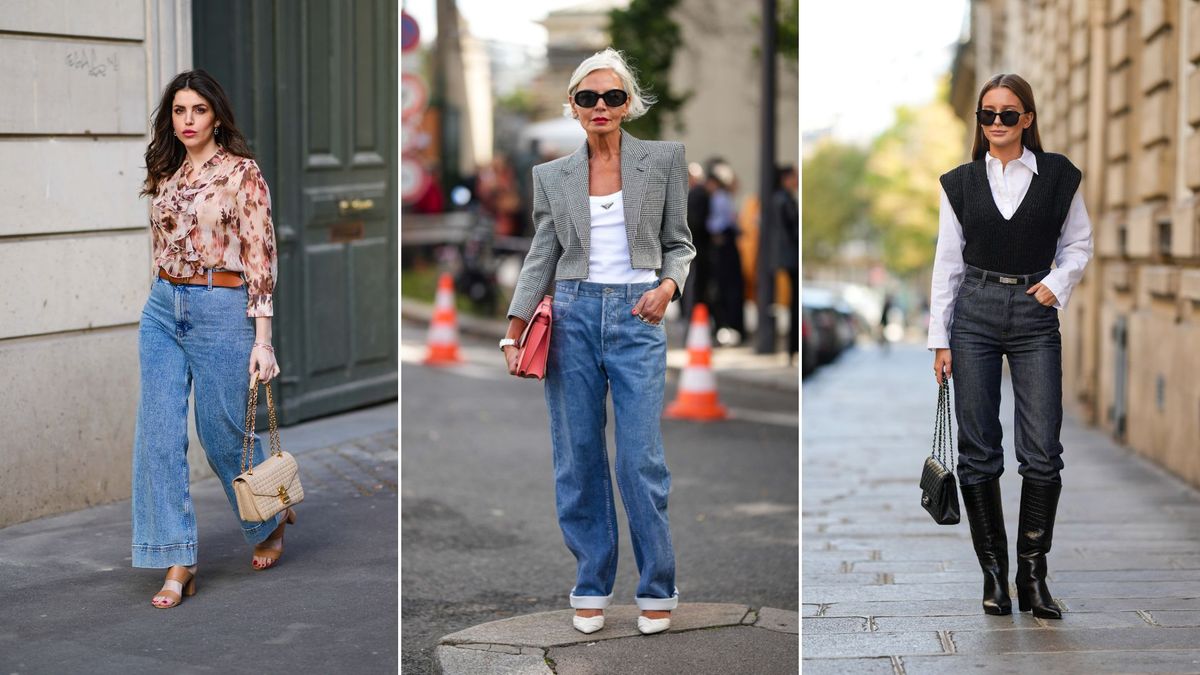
[{"x": 1026, "y": 243}]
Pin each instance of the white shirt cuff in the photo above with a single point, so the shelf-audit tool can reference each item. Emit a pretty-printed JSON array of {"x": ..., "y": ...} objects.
[{"x": 1057, "y": 284}]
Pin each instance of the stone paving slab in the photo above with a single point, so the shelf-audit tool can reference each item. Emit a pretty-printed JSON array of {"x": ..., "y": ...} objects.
[
  {"x": 552, "y": 629},
  {"x": 890, "y": 591},
  {"x": 872, "y": 644},
  {"x": 1180, "y": 618},
  {"x": 1017, "y": 620},
  {"x": 466, "y": 659},
  {"x": 841, "y": 624},
  {"x": 875, "y": 666},
  {"x": 719, "y": 651},
  {"x": 1134, "y": 661},
  {"x": 1075, "y": 640},
  {"x": 778, "y": 620},
  {"x": 704, "y": 638}
]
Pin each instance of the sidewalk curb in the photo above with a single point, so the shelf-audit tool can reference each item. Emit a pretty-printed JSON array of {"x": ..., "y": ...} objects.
[
  {"x": 523, "y": 644},
  {"x": 756, "y": 374}
]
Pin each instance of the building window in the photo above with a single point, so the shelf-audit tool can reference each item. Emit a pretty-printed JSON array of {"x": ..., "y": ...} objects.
[{"x": 1164, "y": 238}]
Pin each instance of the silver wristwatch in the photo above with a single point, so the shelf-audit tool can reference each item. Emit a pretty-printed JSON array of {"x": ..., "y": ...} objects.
[{"x": 507, "y": 342}]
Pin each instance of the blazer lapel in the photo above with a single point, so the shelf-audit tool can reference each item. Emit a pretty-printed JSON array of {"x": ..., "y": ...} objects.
[
  {"x": 575, "y": 187},
  {"x": 634, "y": 154}
]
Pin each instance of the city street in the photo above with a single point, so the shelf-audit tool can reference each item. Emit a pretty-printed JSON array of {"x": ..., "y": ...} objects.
[
  {"x": 70, "y": 603},
  {"x": 480, "y": 537},
  {"x": 886, "y": 590}
]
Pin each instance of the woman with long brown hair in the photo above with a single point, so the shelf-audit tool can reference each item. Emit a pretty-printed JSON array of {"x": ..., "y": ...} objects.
[
  {"x": 1006, "y": 216},
  {"x": 206, "y": 323}
]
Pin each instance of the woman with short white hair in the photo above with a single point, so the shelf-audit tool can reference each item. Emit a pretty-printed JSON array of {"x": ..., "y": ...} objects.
[{"x": 612, "y": 243}]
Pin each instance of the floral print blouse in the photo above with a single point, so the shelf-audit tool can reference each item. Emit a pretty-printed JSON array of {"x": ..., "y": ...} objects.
[{"x": 217, "y": 217}]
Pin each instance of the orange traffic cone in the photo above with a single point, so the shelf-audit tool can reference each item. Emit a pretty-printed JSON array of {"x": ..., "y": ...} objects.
[
  {"x": 443, "y": 329},
  {"x": 697, "y": 398}
]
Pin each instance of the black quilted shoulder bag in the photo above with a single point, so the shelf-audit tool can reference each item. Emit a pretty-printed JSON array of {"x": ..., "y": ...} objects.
[{"x": 939, "y": 490}]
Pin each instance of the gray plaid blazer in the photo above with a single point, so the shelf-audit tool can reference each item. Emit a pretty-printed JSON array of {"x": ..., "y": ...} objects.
[{"x": 654, "y": 189}]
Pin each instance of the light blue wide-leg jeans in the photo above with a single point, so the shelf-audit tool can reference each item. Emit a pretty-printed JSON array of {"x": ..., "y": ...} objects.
[
  {"x": 189, "y": 335},
  {"x": 597, "y": 343}
]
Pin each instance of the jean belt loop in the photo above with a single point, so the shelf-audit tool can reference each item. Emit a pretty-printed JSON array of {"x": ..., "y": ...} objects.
[{"x": 210, "y": 278}]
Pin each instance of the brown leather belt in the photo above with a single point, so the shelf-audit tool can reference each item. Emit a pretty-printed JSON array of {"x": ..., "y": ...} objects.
[{"x": 222, "y": 278}]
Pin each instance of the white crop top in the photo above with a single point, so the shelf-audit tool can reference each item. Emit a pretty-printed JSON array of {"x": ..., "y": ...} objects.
[{"x": 608, "y": 260}]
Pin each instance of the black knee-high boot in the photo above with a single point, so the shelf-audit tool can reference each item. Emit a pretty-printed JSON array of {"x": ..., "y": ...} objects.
[
  {"x": 1039, "y": 503},
  {"x": 986, "y": 516}
]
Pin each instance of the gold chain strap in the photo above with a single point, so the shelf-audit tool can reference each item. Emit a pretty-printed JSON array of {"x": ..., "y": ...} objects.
[{"x": 248, "y": 437}]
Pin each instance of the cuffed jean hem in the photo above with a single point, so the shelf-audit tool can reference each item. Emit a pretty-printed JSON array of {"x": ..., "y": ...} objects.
[
  {"x": 591, "y": 601},
  {"x": 259, "y": 533},
  {"x": 659, "y": 604},
  {"x": 161, "y": 557}
]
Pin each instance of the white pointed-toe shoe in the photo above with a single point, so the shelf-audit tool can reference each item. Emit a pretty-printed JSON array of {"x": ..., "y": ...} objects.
[
  {"x": 588, "y": 624},
  {"x": 648, "y": 626}
]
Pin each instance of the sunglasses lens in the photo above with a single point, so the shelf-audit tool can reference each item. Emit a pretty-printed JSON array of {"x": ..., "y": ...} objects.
[
  {"x": 615, "y": 97},
  {"x": 586, "y": 99},
  {"x": 986, "y": 117},
  {"x": 1009, "y": 118}
]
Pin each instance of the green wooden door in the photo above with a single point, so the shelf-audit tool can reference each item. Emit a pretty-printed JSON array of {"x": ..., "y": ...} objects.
[{"x": 314, "y": 87}]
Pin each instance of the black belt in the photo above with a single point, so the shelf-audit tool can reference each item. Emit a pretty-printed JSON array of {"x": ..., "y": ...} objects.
[{"x": 1006, "y": 279}]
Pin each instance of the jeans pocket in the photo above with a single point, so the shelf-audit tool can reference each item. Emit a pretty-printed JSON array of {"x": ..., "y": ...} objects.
[
  {"x": 968, "y": 287},
  {"x": 645, "y": 322}
]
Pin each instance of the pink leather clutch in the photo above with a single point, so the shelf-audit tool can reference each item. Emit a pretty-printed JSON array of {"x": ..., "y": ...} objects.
[{"x": 535, "y": 342}]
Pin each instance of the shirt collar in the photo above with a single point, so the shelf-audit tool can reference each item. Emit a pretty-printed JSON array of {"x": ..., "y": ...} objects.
[
  {"x": 217, "y": 157},
  {"x": 1027, "y": 158}
]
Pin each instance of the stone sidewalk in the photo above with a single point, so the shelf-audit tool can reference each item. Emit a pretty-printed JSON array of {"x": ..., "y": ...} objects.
[
  {"x": 885, "y": 590},
  {"x": 704, "y": 638}
]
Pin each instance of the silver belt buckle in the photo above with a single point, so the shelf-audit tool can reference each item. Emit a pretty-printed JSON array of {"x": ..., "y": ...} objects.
[{"x": 1008, "y": 280}]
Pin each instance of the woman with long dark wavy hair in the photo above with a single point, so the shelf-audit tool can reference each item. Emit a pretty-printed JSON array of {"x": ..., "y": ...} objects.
[
  {"x": 1006, "y": 216},
  {"x": 207, "y": 324}
]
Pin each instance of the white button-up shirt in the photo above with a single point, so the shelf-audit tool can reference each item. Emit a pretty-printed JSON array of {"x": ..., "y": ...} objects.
[{"x": 1009, "y": 185}]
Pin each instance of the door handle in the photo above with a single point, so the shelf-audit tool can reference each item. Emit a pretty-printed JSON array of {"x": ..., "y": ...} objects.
[{"x": 355, "y": 205}]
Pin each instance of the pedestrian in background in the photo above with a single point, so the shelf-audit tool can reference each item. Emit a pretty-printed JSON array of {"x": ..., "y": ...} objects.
[
  {"x": 888, "y": 303},
  {"x": 1005, "y": 217},
  {"x": 612, "y": 241},
  {"x": 207, "y": 321},
  {"x": 698, "y": 198},
  {"x": 785, "y": 215},
  {"x": 725, "y": 259}
]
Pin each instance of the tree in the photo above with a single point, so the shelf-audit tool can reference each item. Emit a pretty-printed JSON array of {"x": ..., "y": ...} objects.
[
  {"x": 834, "y": 198},
  {"x": 902, "y": 178},
  {"x": 649, "y": 39},
  {"x": 788, "y": 35}
]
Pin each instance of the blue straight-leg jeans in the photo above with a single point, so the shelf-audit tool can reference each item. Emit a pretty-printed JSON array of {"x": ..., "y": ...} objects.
[
  {"x": 992, "y": 320},
  {"x": 597, "y": 343},
  {"x": 200, "y": 335}
]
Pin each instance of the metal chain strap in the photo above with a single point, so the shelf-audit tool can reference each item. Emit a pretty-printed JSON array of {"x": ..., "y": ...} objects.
[
  {"x": 937, "y": 426},
  {"x": 248, "y": 437},
  {"x": 276, "y": 446},
  {"x": 943, "y": 441}
]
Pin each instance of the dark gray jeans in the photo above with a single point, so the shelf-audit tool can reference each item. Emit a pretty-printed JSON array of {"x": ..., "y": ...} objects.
[{"x": 991, "y": 320}]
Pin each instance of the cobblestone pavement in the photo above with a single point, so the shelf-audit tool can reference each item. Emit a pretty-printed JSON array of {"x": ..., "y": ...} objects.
[{"x": 885, "y": 590}]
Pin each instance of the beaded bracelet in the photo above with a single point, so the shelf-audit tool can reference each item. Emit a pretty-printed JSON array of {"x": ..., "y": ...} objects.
[{"x": 265, "y": 346}]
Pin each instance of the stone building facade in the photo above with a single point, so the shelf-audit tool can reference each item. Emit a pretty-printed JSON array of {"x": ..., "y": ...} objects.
[
  {"x": 79, "y": 88},
  {"x": 1118, "y": 90}
]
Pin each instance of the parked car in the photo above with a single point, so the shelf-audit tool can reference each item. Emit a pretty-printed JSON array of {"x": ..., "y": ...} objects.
[
  {"x": 819, "y": 304},
  {"x": 808, "y": 342}
]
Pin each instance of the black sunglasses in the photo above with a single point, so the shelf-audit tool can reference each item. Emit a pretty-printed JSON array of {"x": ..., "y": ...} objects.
[
  {"x": 586, "y": 98},
  {"x": 1008, "y": 118}
]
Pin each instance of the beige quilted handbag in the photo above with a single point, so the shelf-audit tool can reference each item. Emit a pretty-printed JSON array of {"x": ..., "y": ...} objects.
[{"x": 274, "y": 485}]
